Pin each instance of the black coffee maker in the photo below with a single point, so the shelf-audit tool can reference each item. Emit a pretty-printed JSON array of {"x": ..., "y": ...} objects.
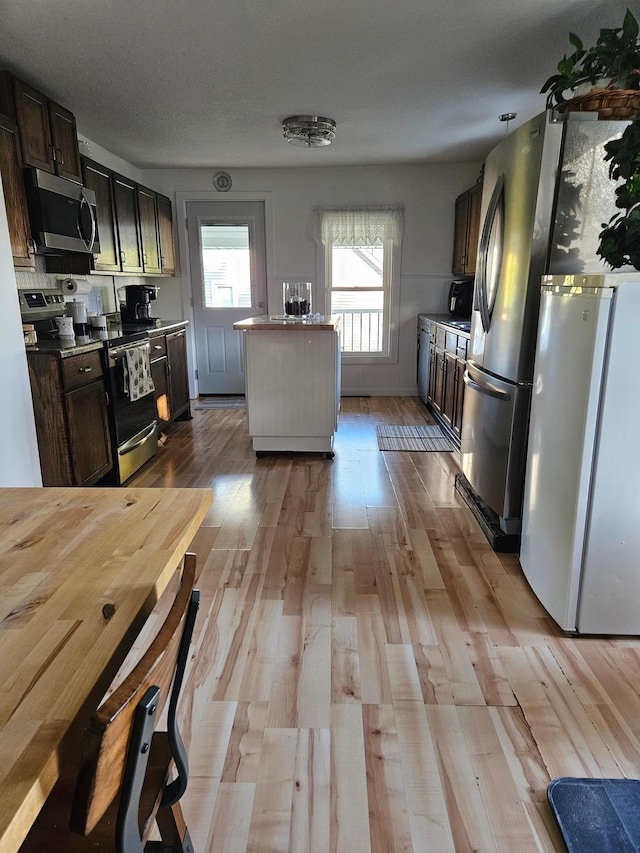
[{"x": 136, "y": 309}]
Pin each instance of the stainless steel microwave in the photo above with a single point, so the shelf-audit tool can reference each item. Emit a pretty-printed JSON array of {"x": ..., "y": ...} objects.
[{"x": 62, "y": 214}]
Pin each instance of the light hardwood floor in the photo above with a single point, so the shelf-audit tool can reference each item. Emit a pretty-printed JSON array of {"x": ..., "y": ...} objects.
[{"x": 369, "y": 675}]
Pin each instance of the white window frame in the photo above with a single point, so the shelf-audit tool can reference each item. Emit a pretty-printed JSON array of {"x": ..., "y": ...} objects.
[{"x": 391, "y": 310}]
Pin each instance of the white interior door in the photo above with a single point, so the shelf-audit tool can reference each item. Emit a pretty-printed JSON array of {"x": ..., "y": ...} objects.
[{"x": 227, "y": 253}]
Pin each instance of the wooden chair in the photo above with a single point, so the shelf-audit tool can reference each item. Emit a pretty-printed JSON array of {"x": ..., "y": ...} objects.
[{"x": 124, "y": 785}]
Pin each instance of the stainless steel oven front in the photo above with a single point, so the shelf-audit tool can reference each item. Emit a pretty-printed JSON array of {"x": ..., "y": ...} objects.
[{"x": 133, "y": 422}]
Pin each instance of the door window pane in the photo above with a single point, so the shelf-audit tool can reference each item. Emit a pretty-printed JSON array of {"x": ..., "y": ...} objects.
[{"x": 226, "y": 265}]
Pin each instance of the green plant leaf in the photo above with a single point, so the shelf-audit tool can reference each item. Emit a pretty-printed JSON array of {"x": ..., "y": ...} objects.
[
  {"x": 630, "y": 26},
  {"x": 576, "y": 42}
]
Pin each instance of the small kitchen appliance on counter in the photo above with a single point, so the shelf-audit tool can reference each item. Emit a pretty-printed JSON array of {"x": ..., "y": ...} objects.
[
  {"x": 136, "y": 309},
  {"x": 460, "y": 297}
]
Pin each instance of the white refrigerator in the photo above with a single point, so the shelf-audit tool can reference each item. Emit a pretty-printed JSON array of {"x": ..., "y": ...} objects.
[{"x": 581, "y": 518}]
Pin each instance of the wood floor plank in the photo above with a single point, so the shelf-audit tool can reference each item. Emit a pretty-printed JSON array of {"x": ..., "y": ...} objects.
[
  {"x": 429, "y": 819},
  {"x": 468, "y": 817},
  {"x": 270, "y": 826},
  {"x": 231, "y": 820},
  {"x": 261, "y": 664},
  {"x": 311, "y": 807},
  {"x": 283, "y": 699},
  {"x": 464, "y": 683},
  {"x": 245, "y": 743},
  {"x": 388, "y": 813},
  {"x": 403, "y": 674},
  {"x": 345, "y": 665},
  {"x": 501, "y": 797},
  {"x": 372, "y": 654},
  {"x": 349, "y": 801}
]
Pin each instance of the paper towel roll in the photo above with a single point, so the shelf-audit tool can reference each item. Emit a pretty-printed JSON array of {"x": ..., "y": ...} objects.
[{"x": 70, "y": 286}]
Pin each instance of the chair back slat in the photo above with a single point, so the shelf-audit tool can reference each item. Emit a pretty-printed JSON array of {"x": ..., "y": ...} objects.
[{"x": 107, "y": 737}]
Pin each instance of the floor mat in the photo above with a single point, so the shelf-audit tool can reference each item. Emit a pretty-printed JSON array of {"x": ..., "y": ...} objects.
[
  {"x": 220, "y": 403},
  {"x": 597, "y": 815},
  {"x": 415, "y": 438}
]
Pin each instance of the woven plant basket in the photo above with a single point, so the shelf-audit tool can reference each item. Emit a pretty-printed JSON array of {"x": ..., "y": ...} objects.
[{"x": 609, "y": 103}]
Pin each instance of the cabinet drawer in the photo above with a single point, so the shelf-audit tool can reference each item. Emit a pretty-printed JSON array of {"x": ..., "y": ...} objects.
[
  {"x": 441, "y": 336},
  {"x": 79, "y": 370},
  {"x": 461, "y": 349},
  {"x": 158, "y": 347},
  {"x": 451, "y": 342}
]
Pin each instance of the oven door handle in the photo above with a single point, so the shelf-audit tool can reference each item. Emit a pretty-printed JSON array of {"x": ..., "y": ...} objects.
[{"x": 130, "y": 445}]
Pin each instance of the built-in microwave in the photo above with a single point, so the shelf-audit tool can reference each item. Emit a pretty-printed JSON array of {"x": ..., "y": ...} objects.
[{"x": 62, "y": 214}]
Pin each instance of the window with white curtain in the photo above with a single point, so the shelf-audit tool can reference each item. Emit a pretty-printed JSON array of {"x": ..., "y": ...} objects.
[{"x": 360, "y": 256}]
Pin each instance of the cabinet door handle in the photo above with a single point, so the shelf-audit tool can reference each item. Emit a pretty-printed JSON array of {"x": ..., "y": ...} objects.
[
  {"x": 157, "y": 346},
  {"x": 85, "y": 369},
  {"x": 123, "y": 256},
  {"x": 60, "y": 158},
  {"x": 52, "y": 153},
  {"x": 144, "y": 258}
]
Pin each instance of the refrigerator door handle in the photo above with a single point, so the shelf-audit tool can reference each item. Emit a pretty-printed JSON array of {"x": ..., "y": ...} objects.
[
  {"x": 490, "y": 233},
  {"x": 487, "y": 389}
]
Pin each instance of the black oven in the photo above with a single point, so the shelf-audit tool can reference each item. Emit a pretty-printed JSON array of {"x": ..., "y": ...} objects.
[{"x": 133, "y": 422}]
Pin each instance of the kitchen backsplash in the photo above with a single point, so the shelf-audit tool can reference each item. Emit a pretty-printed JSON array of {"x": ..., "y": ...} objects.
[{"x": 101, "y": 297}]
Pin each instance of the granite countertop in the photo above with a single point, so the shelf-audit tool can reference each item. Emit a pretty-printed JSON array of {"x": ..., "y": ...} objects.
[
  {"x": 96, "y": 339},
  {"x": 446, "y": 320},
  {"x": 270, "y": 323}
]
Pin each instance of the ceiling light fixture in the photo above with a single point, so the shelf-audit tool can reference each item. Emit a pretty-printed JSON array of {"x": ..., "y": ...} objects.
[{"x": 309, "y": 131}]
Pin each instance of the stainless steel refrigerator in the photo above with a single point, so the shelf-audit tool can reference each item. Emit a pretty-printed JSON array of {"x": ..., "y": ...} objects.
[
  {"x": 581, "y": 518},
  {"x": 545, "y": 196}
]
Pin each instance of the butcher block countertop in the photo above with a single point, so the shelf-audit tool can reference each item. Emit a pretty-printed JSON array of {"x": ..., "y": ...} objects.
[
  {"x": 80, "y": 570},
  {"x": 265, "y": 322}
]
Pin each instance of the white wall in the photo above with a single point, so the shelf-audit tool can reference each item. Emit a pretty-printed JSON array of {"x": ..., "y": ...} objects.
[
  {"x": 19, "y": 461},
  {"x": 426, "y": 192}
]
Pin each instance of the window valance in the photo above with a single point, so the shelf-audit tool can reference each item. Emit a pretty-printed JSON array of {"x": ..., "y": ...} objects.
[{"x": 358, "y": 226}]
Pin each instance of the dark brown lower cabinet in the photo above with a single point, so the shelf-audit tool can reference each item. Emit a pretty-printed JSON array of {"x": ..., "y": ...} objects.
[
  {"x": 179, "y": 402},
  {"x": 70, "y": 408},
  {"x": 160, "y": 376},
  {"x": 168, "y": 354},
  {"x": 447, "y": 361}
]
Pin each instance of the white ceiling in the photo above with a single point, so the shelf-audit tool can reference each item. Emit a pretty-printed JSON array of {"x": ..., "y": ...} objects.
[{"x": 170, "y": 83}]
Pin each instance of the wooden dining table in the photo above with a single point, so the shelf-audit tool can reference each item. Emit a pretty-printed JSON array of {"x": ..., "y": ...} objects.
[{"x": 80, "y": 571}]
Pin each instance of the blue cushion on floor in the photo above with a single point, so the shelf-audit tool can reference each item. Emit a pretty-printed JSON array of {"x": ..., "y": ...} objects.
[{"x": 597, "y": 815}]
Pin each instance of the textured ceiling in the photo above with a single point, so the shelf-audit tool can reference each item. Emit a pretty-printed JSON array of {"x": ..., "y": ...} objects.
[{"x": 165, "y": 83}]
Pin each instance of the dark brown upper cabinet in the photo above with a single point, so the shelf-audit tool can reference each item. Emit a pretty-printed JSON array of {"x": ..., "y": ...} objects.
[
  {"x": 165, "y": 229},
  {"x": 128, "y": 224},
  {"x": 14, "y": 197},
  {"x": 467, "y": 231},
  {"x": 149, "y": 236},
  {"x": 98, "y": 179},
  {"x": 48, "y": 135}
]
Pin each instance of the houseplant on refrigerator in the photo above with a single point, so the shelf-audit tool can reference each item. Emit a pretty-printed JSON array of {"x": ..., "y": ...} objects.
[
  {"x": 620, "y": 237},
  {"x": 608, "y": 72}
]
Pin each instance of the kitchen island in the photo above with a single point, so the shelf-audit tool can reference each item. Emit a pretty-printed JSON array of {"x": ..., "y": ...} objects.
[
  {"x": 292, "y": 383},
  {"x": 80, "y": 570}
]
